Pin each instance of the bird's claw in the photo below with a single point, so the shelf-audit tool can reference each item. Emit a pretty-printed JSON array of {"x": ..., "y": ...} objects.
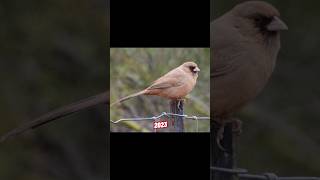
[
  {"x": 220, "y": 137},
  {"x": 179, "y": 104},
  {"x": 236, "y": 129},
  {"x": 236, "y": 126}
]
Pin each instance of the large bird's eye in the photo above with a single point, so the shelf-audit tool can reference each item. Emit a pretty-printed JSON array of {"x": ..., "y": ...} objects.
[
  {"x": 191, "y": 68},
  {"x": 258, "y": 19},
  {"x": 261, "y": 21}
]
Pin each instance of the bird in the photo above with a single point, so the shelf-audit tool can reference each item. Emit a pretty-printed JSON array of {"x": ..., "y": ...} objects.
[
  {"x": 174, "y": 85},
  {"x": 102, "y": 98},
  {"x": 245, "y": 42}
]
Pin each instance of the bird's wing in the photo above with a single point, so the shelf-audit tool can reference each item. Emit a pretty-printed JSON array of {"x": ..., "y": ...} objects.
[
  {"x": 172, "y": 79},
  {"x": 224, "y": 64},
  {"x": 164, "y": 83},
  {"x": 225, "y": 43}
]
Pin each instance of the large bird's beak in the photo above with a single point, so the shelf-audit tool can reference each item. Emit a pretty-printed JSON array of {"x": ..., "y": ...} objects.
[
  {"x": 277, "y": 25},
  {"x": 196, "y": 69}
]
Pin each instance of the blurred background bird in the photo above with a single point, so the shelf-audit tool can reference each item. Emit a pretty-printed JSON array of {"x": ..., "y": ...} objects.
[
  {"x": 280, "y": 126},
  {"x": 245, "y": 43}
]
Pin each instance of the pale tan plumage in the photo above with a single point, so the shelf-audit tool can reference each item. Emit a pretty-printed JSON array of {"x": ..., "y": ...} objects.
[{"x": 176, "y": 84}]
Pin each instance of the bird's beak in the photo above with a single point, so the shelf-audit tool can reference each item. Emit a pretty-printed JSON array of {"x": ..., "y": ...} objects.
[
  {"x": 196, "y": 69},
  {"x": 277, "y": 25}
]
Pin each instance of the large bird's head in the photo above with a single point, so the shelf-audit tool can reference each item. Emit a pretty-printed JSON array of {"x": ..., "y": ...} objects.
[
  {"x": 191, "y": 68},
  {"x": 258, "y": 19}
]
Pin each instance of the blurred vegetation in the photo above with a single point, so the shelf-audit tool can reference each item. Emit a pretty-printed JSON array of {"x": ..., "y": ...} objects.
[
  {"x": 134, "y": 69},
  {"x": 53, "y": 52},
  {"x": 281, "y": 127}
]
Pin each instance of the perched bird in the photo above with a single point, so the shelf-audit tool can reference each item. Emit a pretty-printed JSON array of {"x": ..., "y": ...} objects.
[
  {"x": 102, "y": 98},
  {"x": 245, "y": 43},
  {"x": 176, "y": 84}
]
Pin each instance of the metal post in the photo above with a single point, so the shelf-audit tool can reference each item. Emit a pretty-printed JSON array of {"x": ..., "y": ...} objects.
[
  {"x": 176, "y": 107},
  {"x": 219, "y": 157}
]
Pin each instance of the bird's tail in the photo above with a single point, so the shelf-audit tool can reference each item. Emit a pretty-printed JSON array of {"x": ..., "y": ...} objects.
[
  {"x": 127, "y": 97},
  {"x": 61, "y": 112}
]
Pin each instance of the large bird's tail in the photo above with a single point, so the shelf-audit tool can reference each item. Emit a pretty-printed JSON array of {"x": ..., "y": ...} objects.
[
  {"x": 128, "y": 97},
  {"x": 61, "y": 112}
]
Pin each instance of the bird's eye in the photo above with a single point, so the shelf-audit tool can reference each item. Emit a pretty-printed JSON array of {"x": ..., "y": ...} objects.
[
  {"x": 258, "y": 19},
  {"x": 261, "y": 21}
]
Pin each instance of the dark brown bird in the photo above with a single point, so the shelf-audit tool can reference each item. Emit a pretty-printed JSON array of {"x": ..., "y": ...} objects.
[
  {"x": 176, "y": 84},
  {"x": 59, "y": 113},
  {"x": 245, "y": 43}
]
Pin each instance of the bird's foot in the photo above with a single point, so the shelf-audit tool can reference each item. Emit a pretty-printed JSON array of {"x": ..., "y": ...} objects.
[
  {"x": 219, "y": 136},
  {"x": 236, "y": 126},
  {"x": 186, "y": 98},
  {"x": 179, "y": 105},
  {"x": 236, "y": 129},
  {"x": 181, "y": 99}
]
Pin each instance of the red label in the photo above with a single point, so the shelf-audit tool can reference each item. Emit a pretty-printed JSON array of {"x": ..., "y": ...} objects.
[{"x": 160, "y": 124}]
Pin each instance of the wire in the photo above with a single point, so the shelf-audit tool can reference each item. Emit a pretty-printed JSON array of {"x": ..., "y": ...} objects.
[
  {"x": 159, "y": 116},
  {"x": 243, "y": 174}
]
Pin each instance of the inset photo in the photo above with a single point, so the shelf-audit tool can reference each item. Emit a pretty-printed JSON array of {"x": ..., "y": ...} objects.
[{"x": 160, "y": 89}]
